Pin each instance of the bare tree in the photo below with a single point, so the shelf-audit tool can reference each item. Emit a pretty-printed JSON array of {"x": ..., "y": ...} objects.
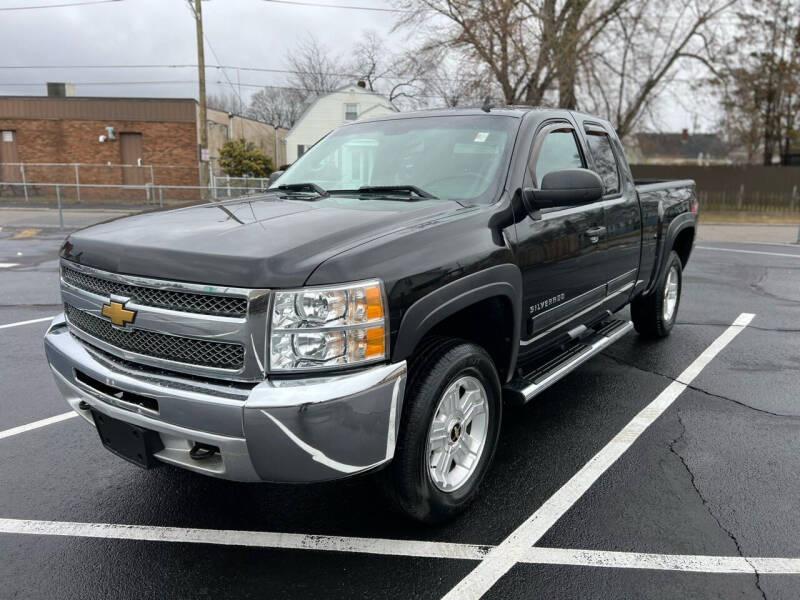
[
  {"x": 759, "y": 79},
  {"x": 641, "y": 51},
  {"x": 314, "y": 70},
  {"x": 276, "y": 106},
  {"x": 459, "y": 83},
  {"x": 401, "y": 77},
  {"x": 227, "y": 102},
  {"x": 527, "y": 46}
]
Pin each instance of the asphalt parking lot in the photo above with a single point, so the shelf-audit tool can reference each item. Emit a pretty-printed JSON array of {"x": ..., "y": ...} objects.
[{"x": 665, "y": 469}]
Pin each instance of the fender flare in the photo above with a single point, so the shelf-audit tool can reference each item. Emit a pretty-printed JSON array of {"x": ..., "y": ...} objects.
[
  {"x": 501, "y": 280},
  {"x": 676, "y": 226}
]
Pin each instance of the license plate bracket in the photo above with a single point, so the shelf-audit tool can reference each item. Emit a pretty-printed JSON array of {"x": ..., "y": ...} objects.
[{"x": 130, "y": 442}]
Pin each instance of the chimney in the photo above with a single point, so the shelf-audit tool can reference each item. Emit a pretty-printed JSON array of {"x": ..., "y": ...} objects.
[
  {"x": 60, "y": 90},
  {"x": 685, "y": 135}
]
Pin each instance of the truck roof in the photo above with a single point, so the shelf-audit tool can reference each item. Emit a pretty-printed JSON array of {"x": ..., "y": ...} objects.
[{"x": 515, "y": 111}]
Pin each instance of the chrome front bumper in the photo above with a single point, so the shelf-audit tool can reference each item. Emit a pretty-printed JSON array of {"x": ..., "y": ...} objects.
[{"x": 296, "y": 430}]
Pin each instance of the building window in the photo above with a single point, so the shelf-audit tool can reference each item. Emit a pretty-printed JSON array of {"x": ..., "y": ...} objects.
[
  {"x": 8, "y": 136},
  {"x": 350, "y": 112},
  {"x": 301, "y": 149}
]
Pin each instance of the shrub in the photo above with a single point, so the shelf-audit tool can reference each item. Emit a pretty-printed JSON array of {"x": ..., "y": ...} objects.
[{"x": 242, "y": 158}]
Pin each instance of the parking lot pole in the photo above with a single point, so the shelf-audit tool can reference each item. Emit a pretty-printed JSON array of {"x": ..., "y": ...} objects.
[
  {"x": 161, "y": 196},
  {"x": 60, "y": 213},
  {"x": 77, "y": 184},
  {"x": 24, "y": 183}
]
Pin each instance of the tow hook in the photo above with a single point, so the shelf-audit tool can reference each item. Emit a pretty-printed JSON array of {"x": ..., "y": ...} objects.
[{"x": 201, "y": 451}]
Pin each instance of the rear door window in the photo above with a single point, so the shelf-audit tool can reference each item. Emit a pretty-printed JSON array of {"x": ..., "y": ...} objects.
[{"x": 605, "y": 162}]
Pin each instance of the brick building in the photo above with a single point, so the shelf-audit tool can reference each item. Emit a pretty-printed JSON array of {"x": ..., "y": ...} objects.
[{"x": 113, "y": 141}]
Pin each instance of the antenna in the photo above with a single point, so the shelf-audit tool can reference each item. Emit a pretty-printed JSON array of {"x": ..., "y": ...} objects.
[{"x": 487, "y": 104}]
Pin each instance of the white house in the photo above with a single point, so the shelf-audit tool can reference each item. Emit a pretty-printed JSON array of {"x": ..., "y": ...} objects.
[{"x": 330, "y": 111}]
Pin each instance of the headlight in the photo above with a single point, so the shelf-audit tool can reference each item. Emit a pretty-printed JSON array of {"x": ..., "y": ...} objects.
[{"x": 319, "y": 328}]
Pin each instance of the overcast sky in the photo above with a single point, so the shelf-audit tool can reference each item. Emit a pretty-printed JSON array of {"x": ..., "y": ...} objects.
[{"x": 244, "y": 33}]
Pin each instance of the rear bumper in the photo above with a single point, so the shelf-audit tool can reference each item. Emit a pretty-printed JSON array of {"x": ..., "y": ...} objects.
[{"x": 296, "y": 430}]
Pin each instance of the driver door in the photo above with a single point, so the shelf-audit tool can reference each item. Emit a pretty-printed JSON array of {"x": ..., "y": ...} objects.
[{"x": 560, "y": 250}]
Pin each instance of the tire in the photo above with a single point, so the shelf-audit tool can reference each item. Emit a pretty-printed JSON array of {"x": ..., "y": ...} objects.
[
  {"x": 443, "y": 365},
  {"x": 651, "y": 314}
]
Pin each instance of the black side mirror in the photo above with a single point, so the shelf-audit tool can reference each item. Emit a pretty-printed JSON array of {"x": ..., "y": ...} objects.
[
  {"x": 569, "y": 187},
  {"x": 273, "y": 177}
]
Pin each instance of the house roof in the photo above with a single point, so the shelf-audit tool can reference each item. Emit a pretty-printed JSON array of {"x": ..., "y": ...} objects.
[
  {"x": 680, "y": 145},
  {"x": 319, "y": 97}
]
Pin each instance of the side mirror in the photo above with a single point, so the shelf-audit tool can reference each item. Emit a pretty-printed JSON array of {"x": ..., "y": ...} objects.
[
  {"x": 273, "y": 177},
  {"x": 570, "y": 187}
]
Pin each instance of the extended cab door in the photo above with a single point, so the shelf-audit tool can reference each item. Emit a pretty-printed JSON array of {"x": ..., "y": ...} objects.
[
  {"x": 621, "y": 212},
  {"x": 560, "y": 250}
]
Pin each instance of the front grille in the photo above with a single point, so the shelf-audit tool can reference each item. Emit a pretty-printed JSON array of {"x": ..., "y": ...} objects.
[
  {"x": 206, "y": 304},
  {"x": 220, "y": 355}
]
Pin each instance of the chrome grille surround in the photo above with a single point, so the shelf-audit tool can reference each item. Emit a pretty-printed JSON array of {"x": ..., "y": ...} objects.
[
  {"x": 188, "y": 342},
  {"x": 206, "y": 304}
]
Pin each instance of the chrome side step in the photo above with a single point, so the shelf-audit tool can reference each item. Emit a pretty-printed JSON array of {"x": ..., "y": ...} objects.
[{"x": 522, "y": 389}]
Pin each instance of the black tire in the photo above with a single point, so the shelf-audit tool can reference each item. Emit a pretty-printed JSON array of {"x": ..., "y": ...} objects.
[
  {"x": 407, "y": 481},
  {"x": 647, "y": 312}
]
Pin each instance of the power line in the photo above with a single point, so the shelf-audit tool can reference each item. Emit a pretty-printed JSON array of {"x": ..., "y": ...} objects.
[
  {"x": 323, "y": 5},
  {"x": 179, "y": 82},
  {"x": 59, "y": 5},
  {"x": 219, "y": 67}
]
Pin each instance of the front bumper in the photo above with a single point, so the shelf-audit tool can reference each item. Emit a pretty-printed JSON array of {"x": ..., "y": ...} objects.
[{"x": 288, "y": 430}]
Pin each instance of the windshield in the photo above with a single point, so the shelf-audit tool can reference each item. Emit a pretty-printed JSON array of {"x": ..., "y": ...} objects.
[{"x": 450, "y": 157}]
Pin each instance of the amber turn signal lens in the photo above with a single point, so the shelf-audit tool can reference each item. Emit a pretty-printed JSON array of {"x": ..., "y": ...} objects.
[
  {"x": 376, "y": 339},
  {"x": 374, "y": 302}
]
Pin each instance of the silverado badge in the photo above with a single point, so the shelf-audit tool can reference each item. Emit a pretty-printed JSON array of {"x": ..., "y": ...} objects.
[{"x": 118, "y": 314}]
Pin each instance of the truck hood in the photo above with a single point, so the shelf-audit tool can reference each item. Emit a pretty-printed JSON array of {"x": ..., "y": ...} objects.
[{"x": 255, "y": 242}]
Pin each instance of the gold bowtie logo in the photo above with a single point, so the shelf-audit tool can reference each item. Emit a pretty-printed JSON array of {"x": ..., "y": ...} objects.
[{"x": 118, "y": 314}]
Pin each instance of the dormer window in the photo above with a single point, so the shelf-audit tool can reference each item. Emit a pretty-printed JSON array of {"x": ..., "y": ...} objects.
[{"x": 350, "y": 112}]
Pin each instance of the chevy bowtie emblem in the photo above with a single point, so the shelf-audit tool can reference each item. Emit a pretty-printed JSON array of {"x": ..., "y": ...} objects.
[{"x": 118, "y": 314}]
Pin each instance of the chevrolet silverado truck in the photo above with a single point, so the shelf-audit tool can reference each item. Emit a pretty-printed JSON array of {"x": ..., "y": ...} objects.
[{"x": 376, "y": 307}]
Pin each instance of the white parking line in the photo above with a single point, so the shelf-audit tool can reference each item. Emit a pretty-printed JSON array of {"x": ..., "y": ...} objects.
[
  {"x": 37, "y": 424},
  {"x": 516, "y": 546},
  {"x": 18, "y": 323},
  {"x": 8, "y": 265},
  {"x": 260, "y": 539},
  {"x": 390, "y": 547},
  {"x": 748, "y": 251},
  {"x": 662, "y": 562}
]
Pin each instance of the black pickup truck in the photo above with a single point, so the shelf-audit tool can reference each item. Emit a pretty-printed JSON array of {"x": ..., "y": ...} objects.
[{"x": 375, "y": 308}]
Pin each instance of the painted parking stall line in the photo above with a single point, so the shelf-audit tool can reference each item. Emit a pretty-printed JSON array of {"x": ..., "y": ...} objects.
[
  {"x": 784, "y": 254},
  {"x": 394, "y": 547},
  {"x": 29, "y": 322},
  {"x": 8, "y": 265},
  {"x": 515, "y": 547},
  {"x": 37, "y": 424},
  {"x": 663, "y": 562},
  {"x": 258, "y": 539}
]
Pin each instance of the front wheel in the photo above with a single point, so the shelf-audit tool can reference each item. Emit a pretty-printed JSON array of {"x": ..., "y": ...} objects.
[
  {"x": 449, "y": 430},
  {"x": 655, "y": 314}
]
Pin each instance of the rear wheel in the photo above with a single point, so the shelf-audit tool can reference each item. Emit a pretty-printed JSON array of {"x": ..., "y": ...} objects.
[
  {"x": 655, "y": 314},
  {"x": 449, "y": 430}
]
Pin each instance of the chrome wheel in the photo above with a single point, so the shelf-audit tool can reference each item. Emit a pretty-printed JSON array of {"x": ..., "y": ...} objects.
[
  {"x": 457, "y": 434},
  {"x": 671, "y": 289}
]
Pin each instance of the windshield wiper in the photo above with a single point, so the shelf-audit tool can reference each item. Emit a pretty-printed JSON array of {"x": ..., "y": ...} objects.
[
  {"x": 396, "y": 188},
  {"x": 312, "y": 188},
  {"x": 388, "y": 190}
]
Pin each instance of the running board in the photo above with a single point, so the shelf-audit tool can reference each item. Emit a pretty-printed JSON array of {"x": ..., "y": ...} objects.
[{"x": 522, "y": 389}]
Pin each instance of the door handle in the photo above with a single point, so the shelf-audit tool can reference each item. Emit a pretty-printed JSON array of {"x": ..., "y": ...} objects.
[{"x": 594, "y": 233}]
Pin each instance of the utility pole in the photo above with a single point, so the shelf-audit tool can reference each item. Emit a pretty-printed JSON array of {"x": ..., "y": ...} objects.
[{"x": 201, "y": 77}]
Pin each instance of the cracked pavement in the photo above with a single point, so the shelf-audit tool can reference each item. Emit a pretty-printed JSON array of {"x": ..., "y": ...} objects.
[{"x": 717, "y": 474}]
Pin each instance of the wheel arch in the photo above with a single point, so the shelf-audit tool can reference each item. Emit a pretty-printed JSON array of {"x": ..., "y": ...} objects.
[{"x": 483, "y": 307}]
